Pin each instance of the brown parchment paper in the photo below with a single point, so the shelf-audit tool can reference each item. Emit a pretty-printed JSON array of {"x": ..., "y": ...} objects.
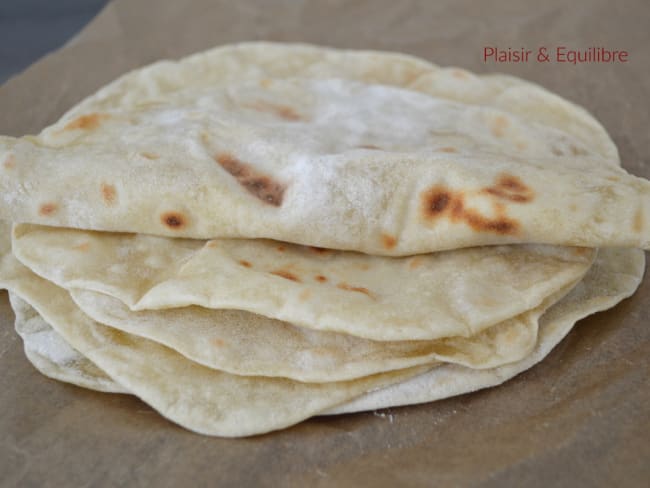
[{"x": 580, "y": 418}]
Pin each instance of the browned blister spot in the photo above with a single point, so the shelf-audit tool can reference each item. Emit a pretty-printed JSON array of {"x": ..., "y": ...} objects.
[
  {"x": 503, "y": 226},
  {"x": 557, "y": 151},
  {"x": 282, "y": 111},
  {"x": 521, "y": 145},
  {"x": 363, "y": 266},
  {"x": 259, "y": 185},
  {"x": 509, "y": 187},
  {"x": 287, "y": 275},
  {"x": 436, "y": 201},
  {"x": 448, "y": 149},
  {"x": 281, "y": 248},
  {"x": 109, "y": 194},
  {"x": 245, "y": 264},
  {"x": 440, "y": 202},
  {"x": 573, "y": 207},
  {"x": 415, "y": 262},
  {"x": 499, "y": 125},
  {"x": 47, "y": 209},
  {"x": 369, "y": 146},
  {"x": 173, "y": 220},
  {"x": 9, "y": 162},
  {"x": 388, "y": 241},
  {"x": 86, "y": 122},
  {"x": 304, "y": 295},
  {"x": 213, "y": 243},
  {"x": 149, "y": 155},
  {"x": 358, "y": 289},
  {"x": 613, "y": 178},
  {"x": 637, "y": 225},
  {"x": 319, "y": 250},
  {"x": 218, "y": 342},
  {"x": 320, "y": 278},
  {"x": 266, "y": 82},
  {"x": 82, "y": 246}
]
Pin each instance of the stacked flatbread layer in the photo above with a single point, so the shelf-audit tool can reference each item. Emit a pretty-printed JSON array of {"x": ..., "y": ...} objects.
[{"x": 262, "y": 233}]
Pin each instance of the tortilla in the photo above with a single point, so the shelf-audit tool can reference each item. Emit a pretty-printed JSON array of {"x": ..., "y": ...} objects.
[
  {"x": 252, "y": 345},
  {"x": 198, "y": 398},
  {"x": 53, "y": 356},
  {"x": 351, "y": 151},
  {"x": 615, "y": 275},
  {"x": 426, "y": 297}
]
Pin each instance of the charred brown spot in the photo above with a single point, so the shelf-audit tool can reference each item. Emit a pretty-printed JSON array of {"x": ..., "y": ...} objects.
[
  {"x": 500, "y": 225},
  {"x": 9, "y": 162},
  {"x": 173, "y": 220},
  {"x": 448, "y": 149},
  {"x": 369, "y": 146},
  {"x": 218, "y": 342},
  {"x": 287, "y": 275},
  {"x": 509, "y": 187},
  {"x": 47, "y": 209},
  {"x": 108, "y": 193},
  {"x": 435, "y": 201},
  {"x": 86, "y": 122},
  {"x": 321, "y": 278},
  {"x": 637, "y": 225},
  {"x": 388, "y": 241},
  {"x": 245, "y": 263},
  {"x": 259, "y": 185},
  {"x": 439, "y": 201},
  {"x": 415, "y": 262},
  {"x": 364, "y": 266},
  {"x": 281, "y": 248},
  {"x": 499, "y": 126},
  {"x": 213, "y": 243},
  {"x": 521, "y": 145},
  {"x": 358, "y": 289},
  {"x": 149, "y": 155},
  {"x": 282, "y": 111}
]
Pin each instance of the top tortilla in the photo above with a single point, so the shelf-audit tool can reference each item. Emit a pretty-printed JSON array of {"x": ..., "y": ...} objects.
[{"x": 374, "y": 152}]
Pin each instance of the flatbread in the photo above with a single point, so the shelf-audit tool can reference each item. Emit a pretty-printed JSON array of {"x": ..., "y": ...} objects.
[
  {"x": 426, "y": 297},
  {"x": 252, "y": 345},
  {"x": 53, "y": 356},
  {"x": 356, "y": 151},
  {"x": 198, "y": 398},
  {"x": 615, "y": 275}
]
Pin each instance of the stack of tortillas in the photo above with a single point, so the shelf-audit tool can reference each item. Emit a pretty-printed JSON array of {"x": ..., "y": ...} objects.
[{"x": 262, "y": 233}]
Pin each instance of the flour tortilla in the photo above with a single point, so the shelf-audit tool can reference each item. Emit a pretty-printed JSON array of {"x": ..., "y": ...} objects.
[
  {"x": 252, "y": 345},
  {"x": 427, "y": 297},
  {"x": 198, "y": 398},
  {"x": 53, "y": 356},
  {"x": 374, "y": 157},
  {"x": 615, "y": 275}
]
